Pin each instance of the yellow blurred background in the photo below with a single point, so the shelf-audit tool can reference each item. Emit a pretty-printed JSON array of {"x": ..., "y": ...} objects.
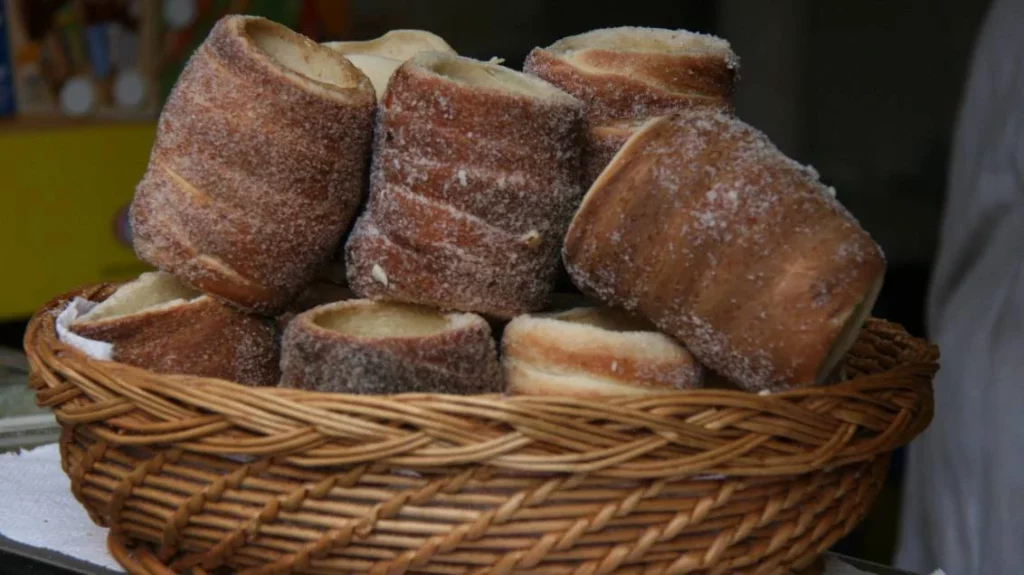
[{"x": 65, "y": 194}]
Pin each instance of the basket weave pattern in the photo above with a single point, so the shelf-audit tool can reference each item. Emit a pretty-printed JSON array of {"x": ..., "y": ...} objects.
[{"x": 199, "y": 473}]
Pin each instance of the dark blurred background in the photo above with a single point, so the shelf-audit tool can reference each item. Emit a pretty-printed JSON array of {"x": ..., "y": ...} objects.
[{"x": 866, "y": 92}]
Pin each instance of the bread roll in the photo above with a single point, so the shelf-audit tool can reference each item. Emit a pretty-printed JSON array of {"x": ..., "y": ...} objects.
[
  {"x": 380, "y": 57},
  {"x": 258, "y": 164},
  {"x": 633, "y": 73},
  {"x": 362, "y": 346},
  {"x": 625, "y": 76},
  {"x": 704, "y": 227},
  {"x": 158, "y": 323},
  {"x": 475, "y": 178},
  {"x": 593, "y": 352}
]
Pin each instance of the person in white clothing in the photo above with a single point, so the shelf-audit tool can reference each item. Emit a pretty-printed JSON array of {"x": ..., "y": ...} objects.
[{"x": 963, "y": 504}]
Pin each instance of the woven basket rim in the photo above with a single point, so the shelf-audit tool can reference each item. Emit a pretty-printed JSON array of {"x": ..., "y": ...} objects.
[
  {"x": 878, "y": 410},
  {"x": 921, "y": 353}
]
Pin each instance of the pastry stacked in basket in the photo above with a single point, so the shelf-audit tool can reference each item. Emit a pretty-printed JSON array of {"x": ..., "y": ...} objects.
[
  {"x": 383, "y": 217},
  {"x": 516, "y": 281}
]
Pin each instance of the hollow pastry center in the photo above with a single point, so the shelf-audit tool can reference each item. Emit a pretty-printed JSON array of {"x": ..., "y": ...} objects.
[
  {"x": 151, "y": 291},
  {"x": 604, "y": 318},
  {"x": 383, "y": 320},
  {"x": 679, "y": 42},
  {"x": 491, "y": 76},
  {"x": 308, "y": 60}
]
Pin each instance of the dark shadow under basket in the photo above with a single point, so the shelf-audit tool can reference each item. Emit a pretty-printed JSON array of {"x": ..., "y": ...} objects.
[{"x": 194, "y": 473}]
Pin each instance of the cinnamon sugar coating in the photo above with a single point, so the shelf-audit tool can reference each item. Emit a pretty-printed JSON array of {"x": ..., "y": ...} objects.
[
  {"x": 258, "y": 165},
  {"x": 367, "y": 347},
  {"x": 627, "y": 75},
  {"x": 634, "y": 73},
  {"x": 704, "y": 227},
  {"x": 474, "y": 181},
  {"x": 201, "y": 337}
]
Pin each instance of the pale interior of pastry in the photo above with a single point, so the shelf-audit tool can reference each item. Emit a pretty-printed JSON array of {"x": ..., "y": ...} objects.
[
  {"x": 486, "y": 75},
  {"x": 300, "y": 55},
  {"x": 851, "y": 330},
  {"x": 537, "y": 348},
  {"x": 152, "y": 291},
  {"x": 377, "y": 68},
  {"x": 584, "y": 327},
  {"x": 644, "y": 40},
  {"x": 397, "y": 44},
  {"x": 553, "y": 380},
  {"x": 367, "y": 319}
]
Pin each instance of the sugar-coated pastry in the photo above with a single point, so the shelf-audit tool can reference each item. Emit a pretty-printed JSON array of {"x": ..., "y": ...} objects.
[
  {"x": 258, "y": 165},
  {"x": 627, "y": 75},
  {"x": 593, "y": 352},
  {"x": 475, "y": 178},
  {"x": 634, "y": 73},
  {"x": 158, "y": 323},
  {"x": 364, "y": 346},
  {"x": 702, "y": 226}
]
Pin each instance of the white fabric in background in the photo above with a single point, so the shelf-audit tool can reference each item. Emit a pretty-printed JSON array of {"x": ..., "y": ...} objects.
[
  {"x": 94, "y": 349},
  {"x": 39, "y": 509},
  {"x": 963, "y": 504}
]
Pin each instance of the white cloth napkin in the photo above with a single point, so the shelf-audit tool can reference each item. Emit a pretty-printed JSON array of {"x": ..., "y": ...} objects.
[
  {"x": 94, "y": 349},
  {"x": 40, "y": 511}
]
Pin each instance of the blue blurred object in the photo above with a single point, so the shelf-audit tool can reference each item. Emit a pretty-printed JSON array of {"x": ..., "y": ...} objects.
[
  {"x": 97, "y": 39},
  {"x": 7, "y": 107}
]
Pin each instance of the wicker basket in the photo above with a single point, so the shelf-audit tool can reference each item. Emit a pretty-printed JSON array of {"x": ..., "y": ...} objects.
[{"x": 192, "y": 473}]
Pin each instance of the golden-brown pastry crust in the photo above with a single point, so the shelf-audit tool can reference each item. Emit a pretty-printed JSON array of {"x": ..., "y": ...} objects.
[
  {"x": 258, "y": 165},
  {"x": 368, "y": 347},
  {"x": 199, "y": 336},
  {"x": 504, "y": 284},
  {"x": 633, "y": 73},
  {"x": 704, "y": 227},
  {"x": 475, "y": 177},
  {"x": 627, "y": 75},
  {"x": 593, "y": 352}
]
